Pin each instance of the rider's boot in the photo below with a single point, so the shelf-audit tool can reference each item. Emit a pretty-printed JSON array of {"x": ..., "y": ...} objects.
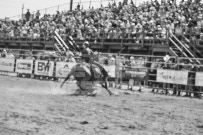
[
  {"x": 104, "y": 78},
  {"x": 105, "y": 74}
]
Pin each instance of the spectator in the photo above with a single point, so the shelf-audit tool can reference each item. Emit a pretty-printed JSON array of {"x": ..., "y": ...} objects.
[
  {"x": 167, "y": 65},
  {"x": 27, "y": 15},
  {"x": 78, "y": 7},
  {"x": 69, "y": 55},
  {"x": 191, "y": 81},
  {"x": 4, "y": 53},
  {"x": 37, "y": 15},
  {"x": 153, "y": 74},
  {"x": 71, "y": 59},
  {"x": 121, "y": 63},
  {"x": 111, "y": 60},
  {"x": 115, "y": 21},
  {"x": 132, "y": 67}
]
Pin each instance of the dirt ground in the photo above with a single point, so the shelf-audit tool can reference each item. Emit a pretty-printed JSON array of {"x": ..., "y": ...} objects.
[{"x": 34, "y": 107}]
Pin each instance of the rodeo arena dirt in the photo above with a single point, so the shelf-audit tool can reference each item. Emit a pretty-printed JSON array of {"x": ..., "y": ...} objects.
[
  {"x": 34, "y": 103},
  {"x": 40, "y": 93}
]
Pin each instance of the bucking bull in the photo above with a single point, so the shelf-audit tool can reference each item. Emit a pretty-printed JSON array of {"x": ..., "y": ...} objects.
[{"x": 85, "y": 72}]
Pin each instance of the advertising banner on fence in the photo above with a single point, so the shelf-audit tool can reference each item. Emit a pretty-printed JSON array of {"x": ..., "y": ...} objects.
[
  {"x": 111, "y": 69},
  {"x": 24, "y": 66},
  {"x": 199, "y": 79},
  {"x": 172, "y": 76},
  {"x": 42, "y": 67},
  {"x": 7, "y": 64},
  {"x": 135, "y": 74},
  {"x": 63, "y": 68}
]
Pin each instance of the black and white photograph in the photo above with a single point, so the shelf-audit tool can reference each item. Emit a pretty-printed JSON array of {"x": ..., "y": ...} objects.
[{"x": 101, "y": 67}]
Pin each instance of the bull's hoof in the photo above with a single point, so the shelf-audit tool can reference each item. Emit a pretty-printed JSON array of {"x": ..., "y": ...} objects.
[
  {"x": 139, "y": 90},
  {"x": 91, "y": 94},
  {"x": 127, "y": 93}
]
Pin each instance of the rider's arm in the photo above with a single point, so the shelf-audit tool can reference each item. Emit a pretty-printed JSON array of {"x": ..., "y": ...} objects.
[{"x": 90, "y": 52}]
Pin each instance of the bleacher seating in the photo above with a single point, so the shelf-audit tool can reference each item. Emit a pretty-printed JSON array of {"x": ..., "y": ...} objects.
[{"x": 119, "y": 23}]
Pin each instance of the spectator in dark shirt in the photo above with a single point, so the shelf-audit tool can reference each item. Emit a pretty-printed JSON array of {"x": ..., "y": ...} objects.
[
  {"x": 27, "y": 15},
  {"x": 37, "y": 15}
]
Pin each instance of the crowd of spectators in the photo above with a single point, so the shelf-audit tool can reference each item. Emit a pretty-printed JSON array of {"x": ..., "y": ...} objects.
[{"x": 117, "y": 20}]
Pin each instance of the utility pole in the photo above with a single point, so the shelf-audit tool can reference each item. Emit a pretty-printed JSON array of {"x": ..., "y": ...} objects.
[
  {"x": 71, "y": 5},
  {"x": 90, "y": 4},
  {"x": 22, "y": 12}
]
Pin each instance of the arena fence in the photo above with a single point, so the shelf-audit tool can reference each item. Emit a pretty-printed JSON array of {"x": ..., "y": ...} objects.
[{"x": 180, "y": 75}]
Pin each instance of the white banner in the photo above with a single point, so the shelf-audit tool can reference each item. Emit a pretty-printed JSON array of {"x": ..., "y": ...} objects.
[
  {"x": 42, "y": 67},
  {"x": 7, "y": 64},
  {"x": 172, "y": 76},
  {"x": 63, "y": 68},
  {"x": 24, "y": 66},
  {"x": 131, "y": 82},
  {"x": 199, "y": 79},
  {"x": 6, "y": 73},
  {"x": 111, "y": 69},
  {"x": 133, "y": 74}
]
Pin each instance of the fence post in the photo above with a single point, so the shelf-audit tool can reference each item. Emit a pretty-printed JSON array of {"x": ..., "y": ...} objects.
[
  {"x": 153, "y": 38},
  {"x": 147, "y": 71},
  {"x": 167, "y": 36},
  {"x": 143, "y": 38},
  {"x": 122, "y": 40},
  {"x": 103, "y": 38},
  {"x": 117, "y": 70}
]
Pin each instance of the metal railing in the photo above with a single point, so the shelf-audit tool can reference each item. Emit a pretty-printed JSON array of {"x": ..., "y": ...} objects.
[
  {"x": 177, "y": 77},
  {"x": 140, "y": 38}
]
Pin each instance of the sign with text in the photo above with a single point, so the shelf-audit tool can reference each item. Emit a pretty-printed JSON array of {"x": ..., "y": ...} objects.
[
  {"x": 44, "y": 68},
  {"x": 134, "y": 74},
  {"x": 172, "y": 76},
  {"x": 63, "y": 68},
  {"x": 111, "y": 69},
  {"x": 7, "y": 64},
  {"x": 24, "y": 66},
  {"x": 199, "y": 79}
]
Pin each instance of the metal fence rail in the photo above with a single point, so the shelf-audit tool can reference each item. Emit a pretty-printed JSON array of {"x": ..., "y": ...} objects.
[{"x": 177, "y": 76}]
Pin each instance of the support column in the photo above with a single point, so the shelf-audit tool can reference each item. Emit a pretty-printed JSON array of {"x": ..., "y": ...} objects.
[{"x": 71, "y": 5}]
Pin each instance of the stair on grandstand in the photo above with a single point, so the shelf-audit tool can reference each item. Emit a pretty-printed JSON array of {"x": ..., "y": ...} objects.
[
  {"x": 181, "y": 49},
  {"x": 60, "y": 45},
  {"x": 193, "y": 47}
]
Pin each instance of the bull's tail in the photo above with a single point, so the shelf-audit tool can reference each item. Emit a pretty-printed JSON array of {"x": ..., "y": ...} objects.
[
  {"x": 65, "y": 80},
  {"x": 69, "y": 75}
]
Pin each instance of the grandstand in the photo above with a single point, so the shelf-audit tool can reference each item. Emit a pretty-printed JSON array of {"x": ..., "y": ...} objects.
[{"x": 152, "y": 28}]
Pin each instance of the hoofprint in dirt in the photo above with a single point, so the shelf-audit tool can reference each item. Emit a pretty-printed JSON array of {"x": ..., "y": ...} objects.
[{"x": 30, "y": 106}]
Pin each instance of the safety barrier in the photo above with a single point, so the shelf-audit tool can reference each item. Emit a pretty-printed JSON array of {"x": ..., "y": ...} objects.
[
  {"x": 144, "y": 71},
  {"x": 38, "y": 68},
  {"x": 42, "y": 68},
  {"x": 180, "y": 75}
]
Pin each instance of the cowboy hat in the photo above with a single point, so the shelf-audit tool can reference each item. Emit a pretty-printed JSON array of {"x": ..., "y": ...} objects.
[
  {"x": 166, "y": 58},
  {"x": 132, "y": 58},
  {"x": 86, "y": 43}
]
